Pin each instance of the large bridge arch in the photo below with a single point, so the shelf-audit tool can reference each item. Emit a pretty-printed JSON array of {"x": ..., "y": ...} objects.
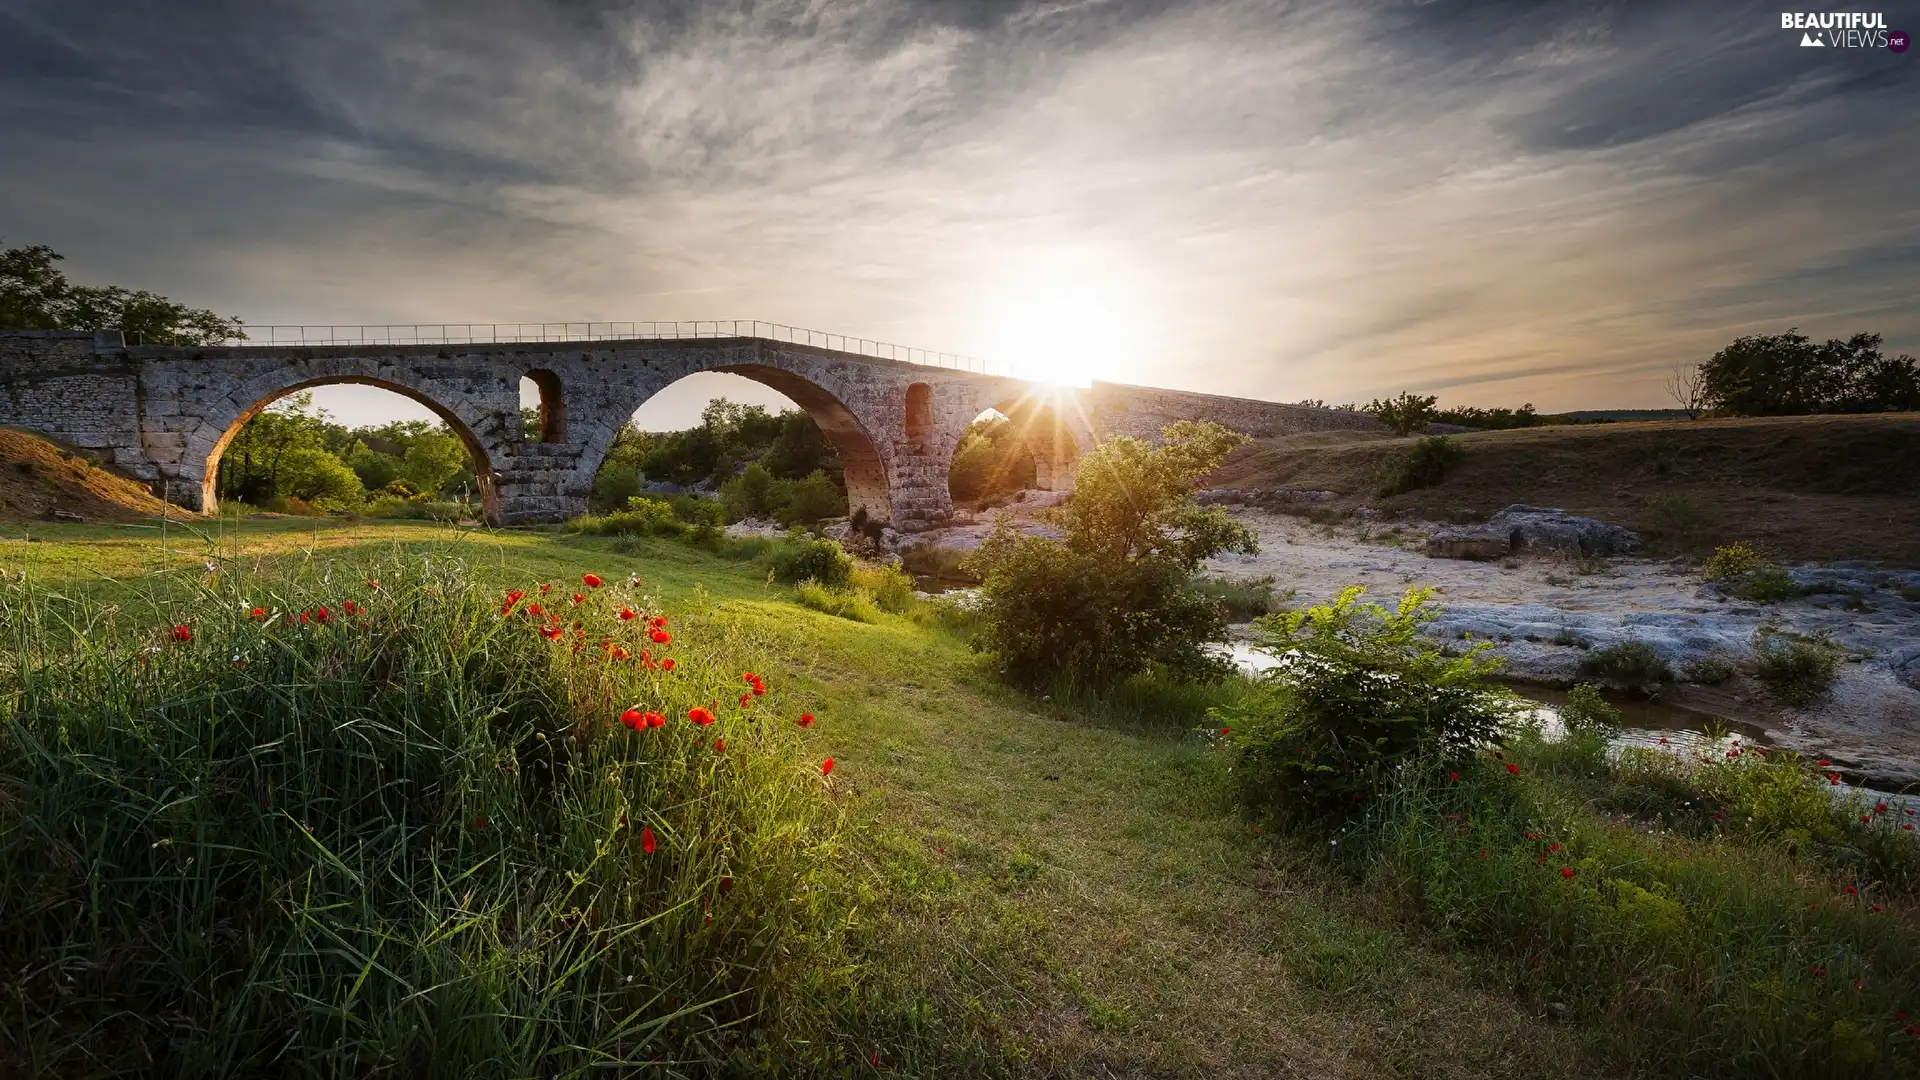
[{"x": 222, "y": 424}]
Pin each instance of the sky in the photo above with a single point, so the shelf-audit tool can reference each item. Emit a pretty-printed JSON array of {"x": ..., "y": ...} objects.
[{"x": 1493, "y": 202}]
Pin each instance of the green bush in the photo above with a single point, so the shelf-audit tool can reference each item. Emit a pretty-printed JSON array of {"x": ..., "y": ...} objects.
[
  {"x": 890, "y": 587},
  {"x": 1731, "y": 562},
  {"x": 1627, "y": 663},
  {"x": 811, "y": 499},
  {"x": 845, "y": 603},
  {"x": 1405, "y": 414},
  {"x": 1424, "y": 464},
  {"x": 1243, "y": 598},
  {"x": 642, "y": 517},
  {"x": 755, "y": 493},
  {"x": 1796, "y": 669},
  {"x": 1116, "y": 596},
  {"x": 1585, "y": 712},
  {"x": 1767, "y": 585},
  {"x": 818, "y": 559},
  {"x": 1357, "y": 696}
]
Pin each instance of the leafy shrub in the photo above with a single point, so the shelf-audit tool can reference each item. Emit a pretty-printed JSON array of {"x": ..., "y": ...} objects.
[
  {"x": 1767, "y": 585},
  {"x": 1627, "y": 663},
  {"x": 817, "y": 559},
  {"x": 1405, "y": 414},
  {"x": 1796, "y": 668},
  {"x": 1585, "y": 712},
  {"x": 1731, "y": 562},
  {"x": 1709, "y": 671},
  {"x": 1356, "y": 695},
  {"x": 1424, "y": 464},
  {"x": 890, "y": 587},
  {"x": 642, "y": 517},
  {"x": 755, "y": 493},
  {"x": 845, "y": 603},
  {"x": 1116, "y": 595},
  {"x": 810, "y": 499}
]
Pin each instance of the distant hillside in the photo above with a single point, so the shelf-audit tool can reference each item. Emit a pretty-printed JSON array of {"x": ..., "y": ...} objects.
[
  {"x": 1625, "y": 414},
  {"x": 37, "y": 477},
  {"x": 1803, "y": 487}
]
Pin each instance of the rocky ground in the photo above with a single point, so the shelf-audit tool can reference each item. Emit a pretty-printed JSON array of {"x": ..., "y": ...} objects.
[{"x": 1550, "y": 605}]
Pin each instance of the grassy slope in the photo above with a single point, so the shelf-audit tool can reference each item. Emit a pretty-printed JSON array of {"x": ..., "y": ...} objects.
[
  {"x": 38, "y": 477},
  {"x": 1066, "y": 892},
  {"x": 1810, "y": 487}
]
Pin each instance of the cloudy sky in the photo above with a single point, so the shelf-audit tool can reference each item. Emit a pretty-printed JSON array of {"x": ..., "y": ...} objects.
[{"x": 1494, "y": 202}]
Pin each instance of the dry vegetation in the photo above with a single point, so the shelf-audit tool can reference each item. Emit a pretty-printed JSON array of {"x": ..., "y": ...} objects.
[
  {"x": 38, "y": 477},
  {"x": 1812, "y": 487}
]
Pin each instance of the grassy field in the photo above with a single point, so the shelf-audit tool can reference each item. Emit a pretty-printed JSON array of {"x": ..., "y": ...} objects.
[
  {"x": 1803, "y": 487},
  {"x": 1018, "y": 886}
]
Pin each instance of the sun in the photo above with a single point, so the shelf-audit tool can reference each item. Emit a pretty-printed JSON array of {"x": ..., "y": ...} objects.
[{"x": 1053, "y": 328}]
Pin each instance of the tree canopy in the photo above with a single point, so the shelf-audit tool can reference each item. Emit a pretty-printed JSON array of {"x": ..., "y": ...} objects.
[
  {"x": 1789, "y": 375},
  {"x": 36, "y": 295}
]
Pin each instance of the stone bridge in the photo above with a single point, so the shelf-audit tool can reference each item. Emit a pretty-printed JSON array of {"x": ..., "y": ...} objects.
[{"x": 165, "y": 414}]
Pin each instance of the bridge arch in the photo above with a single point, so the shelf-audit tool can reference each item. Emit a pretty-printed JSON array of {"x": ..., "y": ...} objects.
[{"x": 218, "y": 432}]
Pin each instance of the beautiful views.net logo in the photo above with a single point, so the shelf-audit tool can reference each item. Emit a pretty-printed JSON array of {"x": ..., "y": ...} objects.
[{"x": 1844, "y": 30}]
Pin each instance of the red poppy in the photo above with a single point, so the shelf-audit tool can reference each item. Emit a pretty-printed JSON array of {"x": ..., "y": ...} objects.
[
  {"x": 634, "y": 581},
  {"x": 1879, "y": 808},
  {"x": 719, "y": 746},
  {"x": 591, "y": 581},
  {"x": 826, "y": 767},
  {"x": 513, "y": 597},
  {"x": 352, "y": 608},
  {"x": 545, "y": 588},
  {"x": 1908, "y": 826},
  {"x": 479, "y": 823},
  {"x": 304, "y": 616},
  {"x": 1555, "y": 846},
  {"x": 1533, "y": 835},
  {"x": 749, "y": 677},
  {"x": 634, "y": 719},
  {"x": 667, "y": 664},
  {"x": 1512, "y": 768},
  {"x": 646, "y": 839},
  {"x": 806, "y": 719},
  {"x": 183, "y": 632},
  {"x": 1226, "y": 731},
  {"x": 726, "y": 884},
  {"x": 1663, "y": 740},
  {"x": 1818, "y": 971},
  {"x": 655, "y": 719},
  {"x": 1833, "y": 778},
  {"x": 1566, "y": 871},
  {"x": 257, "y": 613},
  {"x": 1851, "y": 891},
  {"x": 619, "y": 652},
  {"x": 627, "y": 614},
  {"x": 1824, "y": 763},
  {"x": 579, "y": 598},
  {"x": 320, "y": 613},
  {"x": 660, "y": 637},
  {"x": 1875, "y": 909},
  {"x": 1453, "y": 778},
  {"x": 1864, "y": 818},
  {"x": 746, "y": 701},
  {"x": 700, "y": 715},
  {"x": 759, "y": 689},
  {"x": 1483, "y": 853},
  {"x": 658, "y": 622},
  {"x": 551, "y": 633}
]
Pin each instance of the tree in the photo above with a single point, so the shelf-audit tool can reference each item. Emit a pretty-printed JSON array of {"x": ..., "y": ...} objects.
[
  {"x": 1688, "y": 388},
  {"x": 35, "y": 295},
  {"x": 1115, "y": 595},
  {"x": 1788, "y": 375},
  {"x": 1407, "y": 413}
]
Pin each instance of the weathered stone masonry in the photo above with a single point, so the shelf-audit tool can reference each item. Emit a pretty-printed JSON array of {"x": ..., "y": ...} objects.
[{"x": 164, "y": 415}]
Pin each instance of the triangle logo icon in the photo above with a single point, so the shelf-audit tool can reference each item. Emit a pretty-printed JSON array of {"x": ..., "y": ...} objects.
[{"x": 1809, "y": 41}]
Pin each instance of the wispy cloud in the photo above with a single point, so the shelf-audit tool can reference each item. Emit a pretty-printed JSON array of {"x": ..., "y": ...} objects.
[{"x": 1495, "y": 201}]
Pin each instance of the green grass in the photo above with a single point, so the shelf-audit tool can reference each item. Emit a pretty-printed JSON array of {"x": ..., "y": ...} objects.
[{"x": 1015, "y": 886}]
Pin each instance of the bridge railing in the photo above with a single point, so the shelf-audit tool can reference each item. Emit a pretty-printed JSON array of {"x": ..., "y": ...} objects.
[{"x": 518, "y": 333}]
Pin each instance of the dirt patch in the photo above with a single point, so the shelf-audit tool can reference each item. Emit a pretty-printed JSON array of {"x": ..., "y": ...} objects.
[
  {"x": 1801, "y": 488},
  {"x": 38, "y": 477}
]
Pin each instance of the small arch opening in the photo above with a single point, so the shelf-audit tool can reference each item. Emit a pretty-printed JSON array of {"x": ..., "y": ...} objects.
[
  {"x": 919, "y": 418},
  {"x": 543, "y": 407}
]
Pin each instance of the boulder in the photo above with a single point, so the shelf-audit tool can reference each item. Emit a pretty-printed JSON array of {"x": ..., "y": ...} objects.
[
  {"x": 1469, "y": 542},
  {"x": 1534, "y": 528}
]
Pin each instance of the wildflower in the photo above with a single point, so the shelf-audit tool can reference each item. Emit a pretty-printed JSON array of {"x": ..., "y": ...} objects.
[
  {"x": 1875, "y": 909},
  {"x": 536, "y": 610},
  {"x": 634, "y": 581},
  {"x": 546, "y": 587},
  {"x": 479, "y": 823},
  {"x": 1824, "y": 763},
  {"x": 1851, "y": 891},
  {"x": 1483, "y": 853},
  {"x": 1663, "y": 740},
  {"x": 660, "y": 637},
  {"x": 655, "y": 719},
  {"x": 1453, "y": 778},
  {"x": 304, "y": 616},
  {"x": 826, "y": 767},
  {"x": 658, "y": 622},
  {"x": 374, "y": 584},
  {"x": 591, "y": 581},
  {"x": 1908, "y": 826},
  {"x": 1880, "y": 808},
  {"x": 513, "y": 597},
  {"x": 667, "y": 664},
  {"x": 578, "y": 599},
  {"x": 1566, "y": 871},
  {"x": 183, "y": 632},
  {"x": 726, "y": 884},
  {"x": 700, "y": 715},
  {"x": 1512, "y": 768},
  {"x": 551, "y": 633},
  {"x": 619, "y": 652},
  {"x": 634, "y": 719},
  {"x": 719, "y": 746},
  {"x": 646, "y": 839},
  {"x": 1818, "y": 971},
  {"x": 806, "y": 720},
  {"x": 746, "y": 701},
  {"x": 257, "y": 613},
  {"x": 1555, "y": 846},
  {"x": 1531, "y": 835},
  {"x": 627, "y": 614},
  {"x": 320, "y": 613},
  {"x": 1864, "y": 818},
  {"x": 1833, "y": 778}
]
